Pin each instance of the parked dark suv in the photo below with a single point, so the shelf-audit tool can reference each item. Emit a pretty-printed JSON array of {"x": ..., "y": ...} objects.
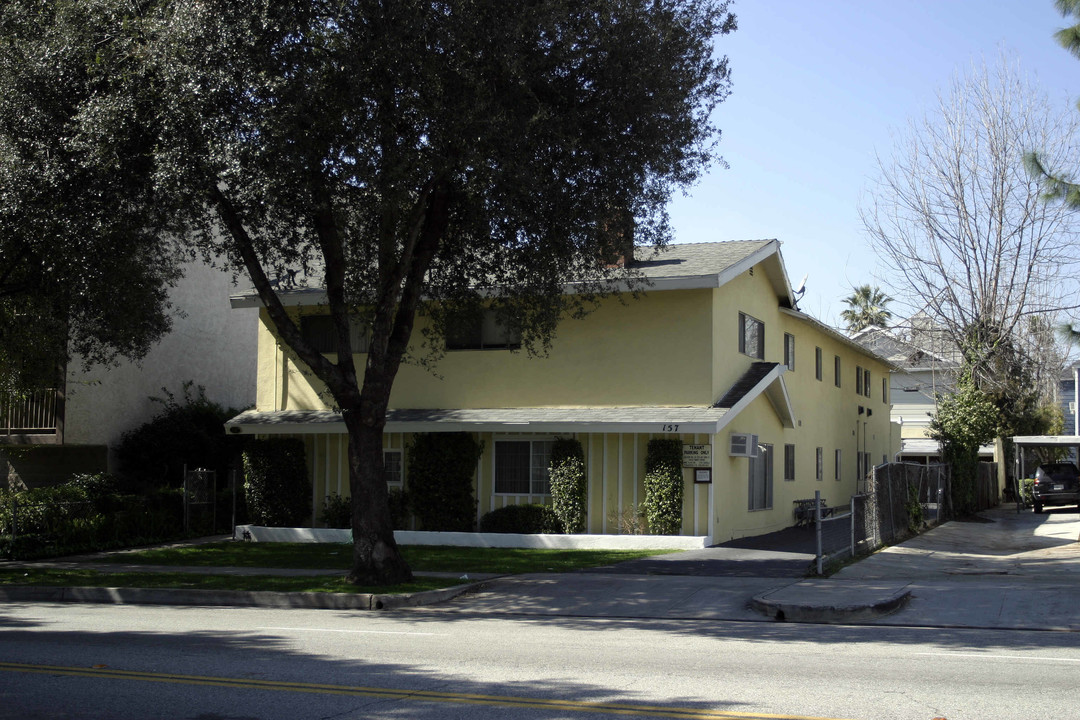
[{"x": 1056, "y": 484}]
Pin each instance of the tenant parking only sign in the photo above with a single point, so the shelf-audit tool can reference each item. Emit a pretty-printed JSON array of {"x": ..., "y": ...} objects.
[{"x": 697, "y": 456}]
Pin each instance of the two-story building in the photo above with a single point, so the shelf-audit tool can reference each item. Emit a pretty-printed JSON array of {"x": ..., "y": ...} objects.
[
  {"x": 925, "y": 366},
  {"x": 50, "y": 433},
  {"x": 715, "y": 354}
]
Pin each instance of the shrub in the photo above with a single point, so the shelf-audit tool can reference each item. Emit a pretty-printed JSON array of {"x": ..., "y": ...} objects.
[
  {"x": 628, "y": 520},
  {"x": 189, "y": 432},
  {"x": 337, "y": 511},
  {"x": 68, "y": 518},
  {"x": 399, "y": 507},
  {"x": 527, "y": 519},
  {"x": 276, "y": 486},
  {"x": 441, "y": 471},
  {"x": 96, "y": 485},
  {"x": 569, "y": 488},
  {"x": 663, "y": 504}
]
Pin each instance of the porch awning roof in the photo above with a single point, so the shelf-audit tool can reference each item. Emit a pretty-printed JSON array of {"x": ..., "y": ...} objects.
[
  {"x": 1047, "y": 440},
  {"x": 929, "y": 446},
  {"x": 709, "y": 420}
]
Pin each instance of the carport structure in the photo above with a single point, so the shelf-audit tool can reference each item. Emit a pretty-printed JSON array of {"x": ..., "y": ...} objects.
[{"x": 1023, "y": 442}]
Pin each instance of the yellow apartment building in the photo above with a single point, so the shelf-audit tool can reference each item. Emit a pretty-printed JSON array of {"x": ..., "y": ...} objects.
[{"x": 769, "y": 403}]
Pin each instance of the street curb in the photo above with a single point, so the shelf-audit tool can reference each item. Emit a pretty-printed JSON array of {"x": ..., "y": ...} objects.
[
  {"x": 802, "y": 612},
  {"x": 232, "y": 598}
]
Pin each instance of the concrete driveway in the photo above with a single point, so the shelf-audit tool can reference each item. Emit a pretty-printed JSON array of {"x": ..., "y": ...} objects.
[
  {"x": 785, "y": 554},
  {"x": 1004, "y": 542}
]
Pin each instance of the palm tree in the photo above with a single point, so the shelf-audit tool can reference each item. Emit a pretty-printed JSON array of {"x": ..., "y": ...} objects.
[{"x": 866, "y": 307}]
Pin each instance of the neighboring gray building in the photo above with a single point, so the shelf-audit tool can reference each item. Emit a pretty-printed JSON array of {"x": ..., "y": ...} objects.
[{"x": 925, "y": 366}]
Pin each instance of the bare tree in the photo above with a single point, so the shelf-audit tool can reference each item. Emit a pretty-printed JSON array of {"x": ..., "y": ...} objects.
[{"x": 962, "y": 229}]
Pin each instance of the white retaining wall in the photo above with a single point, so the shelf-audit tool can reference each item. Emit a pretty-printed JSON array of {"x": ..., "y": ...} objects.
[{"x": 260, "y": 533}]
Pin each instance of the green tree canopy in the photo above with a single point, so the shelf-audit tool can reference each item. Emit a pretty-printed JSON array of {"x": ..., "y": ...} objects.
[
  {"x": 867, "y": 306},
  {"x": 85, "y": 261},
  {"x": 406, "y": 155}
]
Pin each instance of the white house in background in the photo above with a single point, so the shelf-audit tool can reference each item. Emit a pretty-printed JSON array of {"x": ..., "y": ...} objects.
[
  {"x": 72, "y": 428},
  {"x": 925, "y": 366}
]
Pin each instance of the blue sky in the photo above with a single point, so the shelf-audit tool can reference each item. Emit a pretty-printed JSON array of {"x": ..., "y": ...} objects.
[{"x": 818, "y": 89}]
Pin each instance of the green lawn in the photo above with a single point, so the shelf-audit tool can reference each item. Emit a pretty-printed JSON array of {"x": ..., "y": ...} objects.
[
  {"x": 276, "y": 583},
  {"x": 421, "y": 558}
]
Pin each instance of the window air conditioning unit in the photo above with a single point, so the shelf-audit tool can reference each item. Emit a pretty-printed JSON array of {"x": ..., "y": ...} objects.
[{"x": 743, "y": 445}]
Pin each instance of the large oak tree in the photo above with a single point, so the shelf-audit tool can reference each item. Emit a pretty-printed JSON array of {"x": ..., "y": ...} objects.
[{"x": 413, "y": 156}]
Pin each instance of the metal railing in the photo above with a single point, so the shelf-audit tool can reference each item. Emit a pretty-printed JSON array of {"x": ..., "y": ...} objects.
[{"x": 29, "y": 412}]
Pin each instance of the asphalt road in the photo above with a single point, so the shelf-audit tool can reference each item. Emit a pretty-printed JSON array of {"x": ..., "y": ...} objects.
[{"x": 95, "y": 661}]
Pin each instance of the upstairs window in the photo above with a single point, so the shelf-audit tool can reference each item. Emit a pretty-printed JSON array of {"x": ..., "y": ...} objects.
[
  {"x": 858, "y": 380},
  {"x": 866, "y": 383},
  {"x": 836, "y": 370},
  {"x": 486, "y": 331},
  {"x": 318, "y": 331},
  {"x": 819, "y": 464},
  {"x": 789, "y": 351},
  {"x": 885, "y": 390},
  {"x": 817, "y": 363},
  {"x": 751, "y": 336},
  {"x": 789, "y": 463}
]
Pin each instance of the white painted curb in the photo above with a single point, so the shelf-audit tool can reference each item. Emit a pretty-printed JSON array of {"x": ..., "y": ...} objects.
[{"x": 260, "y": 533}]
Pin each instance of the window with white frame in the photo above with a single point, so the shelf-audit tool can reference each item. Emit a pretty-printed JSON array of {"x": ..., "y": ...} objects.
[
  {"x": 789, "y": 351},
  {"x": 751, "y": 336},
  {"x": 521, "y": 467},
  {"x": 761, "y": 478},
  {"x": 392, "y": 466}
]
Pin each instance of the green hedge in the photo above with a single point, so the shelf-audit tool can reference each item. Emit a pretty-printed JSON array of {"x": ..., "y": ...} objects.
[
  {"x": 189, "y": 431},
  {"x": 82, "y": 515},
  {"x": 527, "y": 519},
  {"x": 441, "y": 470},
  {"x": 569, "y": 486},
  {"x": 277, "y": 490},
  {"x": 663, "y": 503}
]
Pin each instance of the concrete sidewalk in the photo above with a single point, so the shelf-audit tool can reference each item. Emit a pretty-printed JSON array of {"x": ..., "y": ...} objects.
[
  {"x": 1018, "y": 571},
  {"x": 1009, "y": 570},
  {"x": 1003, "y": 570}
]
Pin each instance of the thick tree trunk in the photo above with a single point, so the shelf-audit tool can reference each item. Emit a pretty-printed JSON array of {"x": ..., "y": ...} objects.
[{"x": 376, "y": 557}]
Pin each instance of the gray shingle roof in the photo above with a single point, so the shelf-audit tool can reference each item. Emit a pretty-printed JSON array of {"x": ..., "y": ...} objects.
[
  {"x": 593, "y": 419},
  {"x": 694, "y": 259},
  {"x": 712, "y": 263}
]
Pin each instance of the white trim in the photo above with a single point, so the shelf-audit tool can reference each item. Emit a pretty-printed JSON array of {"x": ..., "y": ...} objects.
[
  {"x": 342, "y": 460},
  {"x": 603, "y": 486},
  {"x": 785, "y": 413},
  {"x": 707, "y": 427},
  {"x": 621, "y": 481}
]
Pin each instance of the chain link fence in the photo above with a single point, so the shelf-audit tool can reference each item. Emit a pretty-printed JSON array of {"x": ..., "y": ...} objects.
[{"x": 894, "y": 501}]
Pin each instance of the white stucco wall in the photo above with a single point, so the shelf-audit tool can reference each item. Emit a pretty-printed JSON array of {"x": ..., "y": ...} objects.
[{"x": 210, "y": 344}]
